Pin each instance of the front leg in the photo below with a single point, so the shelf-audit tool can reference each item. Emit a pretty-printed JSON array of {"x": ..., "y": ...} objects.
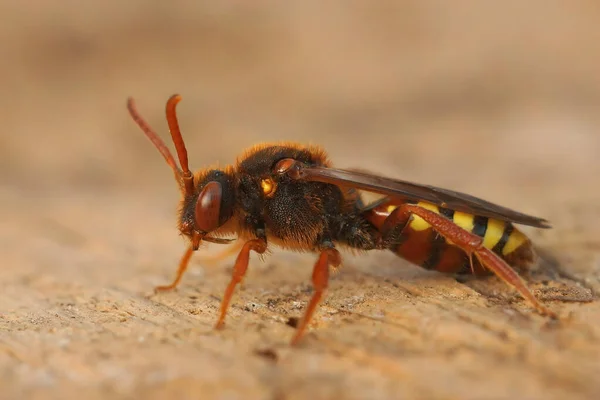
[
  {"x": 259, "y": 245},
  {"x": 183, "y": 265}
]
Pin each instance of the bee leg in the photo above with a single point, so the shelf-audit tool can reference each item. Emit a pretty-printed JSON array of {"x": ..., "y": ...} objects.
[
  {"x": 320, "y": 278},
  {"x": 472, "y": 244},
  {"x": 239, "y": 270},
  {"x": 183, "y": 264}
]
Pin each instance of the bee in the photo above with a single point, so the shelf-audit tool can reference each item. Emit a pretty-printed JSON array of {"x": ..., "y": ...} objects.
[{"x": 289, "y": 195}]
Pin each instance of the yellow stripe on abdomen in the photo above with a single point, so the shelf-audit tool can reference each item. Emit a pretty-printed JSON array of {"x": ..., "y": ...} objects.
[
  {"x": 515, "y": 240},
  {"x": 464, "y": 220},
  {"x": 418, "y": 223},
  {"x": 494, "y": 232}
]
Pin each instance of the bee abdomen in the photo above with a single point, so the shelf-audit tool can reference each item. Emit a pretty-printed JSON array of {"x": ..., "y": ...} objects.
[{"x": 423, "y": 246}]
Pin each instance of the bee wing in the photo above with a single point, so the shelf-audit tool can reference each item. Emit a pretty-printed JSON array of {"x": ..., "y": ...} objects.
[{"x": 404, "y": 190}]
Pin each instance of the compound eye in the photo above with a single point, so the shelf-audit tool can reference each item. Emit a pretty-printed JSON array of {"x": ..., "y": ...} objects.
[{"x": 208, "y": 207}]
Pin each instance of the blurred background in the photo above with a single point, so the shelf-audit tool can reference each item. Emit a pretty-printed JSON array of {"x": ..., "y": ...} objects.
[
  {"x": 497, "y": 99},
  {"x": 474, "y": 95}
]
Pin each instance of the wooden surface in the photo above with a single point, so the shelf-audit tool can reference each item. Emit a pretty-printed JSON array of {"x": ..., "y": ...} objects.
[{"x": 477, "y": 99}]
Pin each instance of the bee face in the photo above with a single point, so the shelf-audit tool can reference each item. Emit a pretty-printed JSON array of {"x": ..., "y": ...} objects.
[{"x": 210, "y": 206}]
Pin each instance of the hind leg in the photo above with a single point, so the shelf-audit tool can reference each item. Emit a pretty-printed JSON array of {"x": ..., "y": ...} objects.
[{"x": 471, "y": 244}]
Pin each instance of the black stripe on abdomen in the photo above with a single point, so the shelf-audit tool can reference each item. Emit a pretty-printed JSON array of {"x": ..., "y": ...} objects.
[
  {"x": 480, "y": 225},
  {"x": 446, "y": 212},
  {"x": 508, "y": 229}
]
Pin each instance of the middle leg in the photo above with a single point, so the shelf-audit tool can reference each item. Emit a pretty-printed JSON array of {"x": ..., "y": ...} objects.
[
  {"x": 239, "y": 270},
  {"x": 329, "y": 257}
]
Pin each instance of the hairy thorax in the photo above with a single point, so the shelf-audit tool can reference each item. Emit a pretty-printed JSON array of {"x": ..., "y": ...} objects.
[{"x": 295, "y": 214}]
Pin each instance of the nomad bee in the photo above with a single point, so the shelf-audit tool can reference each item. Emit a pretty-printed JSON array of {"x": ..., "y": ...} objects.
[{"x": 290, "y": 196}]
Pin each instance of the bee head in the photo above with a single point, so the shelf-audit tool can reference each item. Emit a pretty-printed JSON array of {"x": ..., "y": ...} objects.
[{"x": 209, "y": 198}]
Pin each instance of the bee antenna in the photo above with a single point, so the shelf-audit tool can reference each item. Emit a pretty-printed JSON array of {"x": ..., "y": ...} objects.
[
  {"x": 158, "y": 143},
  {"x": 186, "y": 175}
]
